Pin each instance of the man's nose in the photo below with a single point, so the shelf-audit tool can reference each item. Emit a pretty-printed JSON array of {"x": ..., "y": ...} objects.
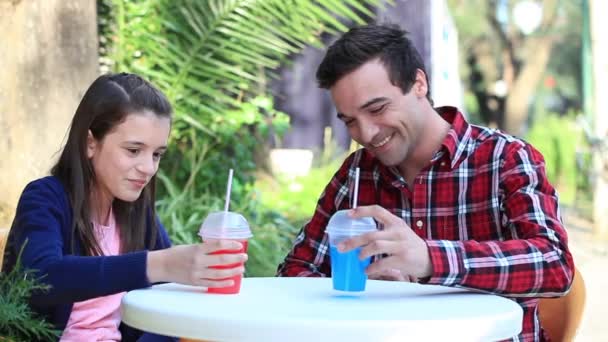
[{"x": 368, "y": 131}]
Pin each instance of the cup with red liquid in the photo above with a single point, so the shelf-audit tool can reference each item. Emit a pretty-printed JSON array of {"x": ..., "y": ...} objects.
[{"x": 226, "y": 225}]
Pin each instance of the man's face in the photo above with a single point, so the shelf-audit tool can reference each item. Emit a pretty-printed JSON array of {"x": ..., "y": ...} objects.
[{"x": 378, "y": 115}]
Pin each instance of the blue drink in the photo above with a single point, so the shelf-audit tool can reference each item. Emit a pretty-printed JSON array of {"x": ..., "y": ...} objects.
[{"x": 347, "y": 271}]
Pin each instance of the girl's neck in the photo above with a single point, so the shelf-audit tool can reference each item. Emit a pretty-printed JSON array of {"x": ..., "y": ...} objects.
[{"x": 100, "y": 208}]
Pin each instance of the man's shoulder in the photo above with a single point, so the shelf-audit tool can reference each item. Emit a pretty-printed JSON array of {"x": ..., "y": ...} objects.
[{"x": 483, "y": 134}]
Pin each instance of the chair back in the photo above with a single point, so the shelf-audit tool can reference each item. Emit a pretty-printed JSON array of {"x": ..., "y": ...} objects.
[{"x": 561, "y": 317}]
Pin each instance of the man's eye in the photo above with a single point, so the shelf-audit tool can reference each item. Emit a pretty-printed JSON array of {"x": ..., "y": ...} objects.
[
  {"x": 133, "y": 150},
  {"x": 349, "y": 122},
  {"x": 378, "y": 110}
]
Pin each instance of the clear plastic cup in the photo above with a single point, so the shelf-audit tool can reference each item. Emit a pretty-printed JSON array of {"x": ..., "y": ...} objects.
[
  {"x": 226, "y": 225},
  {"x": 347, "y": 271}
]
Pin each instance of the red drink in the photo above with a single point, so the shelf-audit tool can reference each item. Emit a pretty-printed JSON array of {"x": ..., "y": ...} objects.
[
  {"x": 236, "y": 287},
  {"x": 226, "y": 225}
]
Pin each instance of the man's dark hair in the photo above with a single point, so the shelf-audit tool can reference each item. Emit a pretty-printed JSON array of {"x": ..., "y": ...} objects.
[{"x": 359, "y": 45}]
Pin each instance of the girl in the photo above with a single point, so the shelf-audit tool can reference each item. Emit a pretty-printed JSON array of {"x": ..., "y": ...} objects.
[{"x": 90, "y": 230}]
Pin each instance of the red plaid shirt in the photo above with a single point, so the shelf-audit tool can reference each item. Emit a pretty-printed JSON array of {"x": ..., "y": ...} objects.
[{"x": 483, "y": 205}]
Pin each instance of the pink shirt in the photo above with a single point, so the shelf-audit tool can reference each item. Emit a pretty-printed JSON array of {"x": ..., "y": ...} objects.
[{"x": 97, "y": 319}]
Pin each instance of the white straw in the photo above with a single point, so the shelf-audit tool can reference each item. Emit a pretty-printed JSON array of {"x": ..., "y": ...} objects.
[
  {"x": 356, "y": 188},
  {"x": 228, "y": 189}
]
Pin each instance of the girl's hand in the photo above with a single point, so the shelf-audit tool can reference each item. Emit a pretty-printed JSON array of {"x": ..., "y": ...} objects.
[{"x": 190, "y": 264}]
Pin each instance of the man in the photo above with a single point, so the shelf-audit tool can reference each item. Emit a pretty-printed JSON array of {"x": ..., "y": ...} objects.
[{"x": 458, "y": 204}]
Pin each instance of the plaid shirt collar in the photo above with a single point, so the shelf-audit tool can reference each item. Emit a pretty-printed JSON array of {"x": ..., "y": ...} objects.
[{"x": 455, "y": 147}]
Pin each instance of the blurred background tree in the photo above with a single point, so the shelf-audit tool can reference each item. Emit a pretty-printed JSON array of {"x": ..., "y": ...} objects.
[
  {"x": 509, "y": 48},
  {"x": 522, "y": 66}
]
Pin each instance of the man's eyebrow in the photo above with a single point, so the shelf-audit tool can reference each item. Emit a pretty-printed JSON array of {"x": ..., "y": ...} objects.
[
  {"x": 373, "y": 101},
  {"x": 369, "y": 103}
]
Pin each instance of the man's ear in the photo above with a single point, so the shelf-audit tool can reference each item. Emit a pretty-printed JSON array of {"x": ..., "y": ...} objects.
[
  {"x": 420, "y": 87},
  {"x": 91, "y": 145}
]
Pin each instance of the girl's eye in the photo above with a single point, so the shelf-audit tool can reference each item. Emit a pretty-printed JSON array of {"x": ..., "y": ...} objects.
[{"x": 157, "y": 155}]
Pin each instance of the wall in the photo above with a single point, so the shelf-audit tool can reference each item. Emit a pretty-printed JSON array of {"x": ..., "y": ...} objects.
[
  {"x": 48, "y": 56},
  {"x": 599, "y": 46}
]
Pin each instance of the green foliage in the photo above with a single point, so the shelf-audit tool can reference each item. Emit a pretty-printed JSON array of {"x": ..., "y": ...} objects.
[
  {"x": 183, "y": 212},
  {"x": 17, "y": 321},
  {"x": 213, "y": 58},
  {"x": 296, "y": 197},
  {"x": 557, "y": 138},
  {"x": 210, "y": 56},
  {"x": 469, "y": 22},
  {"x": 201, "y": 162}
]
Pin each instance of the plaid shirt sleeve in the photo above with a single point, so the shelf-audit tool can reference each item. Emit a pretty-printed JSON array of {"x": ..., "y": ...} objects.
[
  {"x": 309, "y": 256},
  {"x": 537, "y": 262}
]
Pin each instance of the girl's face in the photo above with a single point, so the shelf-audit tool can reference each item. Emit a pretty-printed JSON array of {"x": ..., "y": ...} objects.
[{"x": 127, "y": 158}]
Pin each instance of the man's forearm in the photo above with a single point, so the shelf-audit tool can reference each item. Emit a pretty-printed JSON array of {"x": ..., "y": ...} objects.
[{"x": 514, "y": 268}]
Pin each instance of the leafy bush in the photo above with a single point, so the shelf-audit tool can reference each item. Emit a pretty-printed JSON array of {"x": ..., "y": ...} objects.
[
  {"x": 212, "y": 58},
  {"x": 17, "y": 321},
  {"x": 296, "y": 197},
  {"x": 182, "y": 212},
  {"x": 557, "y": 138}
]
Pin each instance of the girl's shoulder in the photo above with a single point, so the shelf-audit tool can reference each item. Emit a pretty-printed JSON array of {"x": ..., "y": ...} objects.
[
  {"x": 46, "y": 182},
  {"x": 46, "y": 190}
]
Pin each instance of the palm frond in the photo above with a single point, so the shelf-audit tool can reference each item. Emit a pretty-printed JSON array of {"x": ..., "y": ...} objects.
[{"x": 214, "y": 50}]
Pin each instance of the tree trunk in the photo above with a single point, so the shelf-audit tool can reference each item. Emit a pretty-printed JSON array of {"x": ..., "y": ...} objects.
[
  {"x": 524, "y": 87},
  {"x": 533, "y": 67},
  {"x": 599, "y": 44},
  {"x": 48, "y": 56}
]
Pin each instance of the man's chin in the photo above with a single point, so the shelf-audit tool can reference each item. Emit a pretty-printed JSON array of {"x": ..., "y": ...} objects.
[{"x": 385, "y": 158}]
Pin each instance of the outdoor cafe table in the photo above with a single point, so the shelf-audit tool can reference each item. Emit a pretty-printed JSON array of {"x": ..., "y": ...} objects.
[{"x": 308, "y": 309}]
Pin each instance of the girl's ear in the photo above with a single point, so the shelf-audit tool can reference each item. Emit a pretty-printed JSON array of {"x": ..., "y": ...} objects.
[{"x": 91, "y": 145}]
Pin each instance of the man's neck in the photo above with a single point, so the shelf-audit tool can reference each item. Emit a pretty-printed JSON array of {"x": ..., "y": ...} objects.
[{"x": 431, "y": 139}]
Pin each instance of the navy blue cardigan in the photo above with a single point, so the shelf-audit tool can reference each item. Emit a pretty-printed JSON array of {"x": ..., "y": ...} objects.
[{"x": 44, "y": 220}]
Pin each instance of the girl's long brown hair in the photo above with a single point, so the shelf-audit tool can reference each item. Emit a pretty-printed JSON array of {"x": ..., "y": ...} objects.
[{"x": 105, "y": 105}]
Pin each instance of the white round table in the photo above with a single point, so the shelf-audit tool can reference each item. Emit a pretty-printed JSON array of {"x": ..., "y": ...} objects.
[{"x": 307, "y": 309}]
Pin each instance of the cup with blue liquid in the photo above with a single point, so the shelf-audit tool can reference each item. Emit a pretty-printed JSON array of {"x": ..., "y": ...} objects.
[{"x": 347, "y": 270}]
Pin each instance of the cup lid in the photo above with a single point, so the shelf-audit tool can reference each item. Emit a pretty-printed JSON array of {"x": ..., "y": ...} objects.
[
  {"x": 341, "y": 223},
  {"x": 225, "y": 225}
]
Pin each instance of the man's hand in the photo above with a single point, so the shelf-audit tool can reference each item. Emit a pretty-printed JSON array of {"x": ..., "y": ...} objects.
[
  {"x": 407, "y": 252},
  {"x": 393, "y": 275}
]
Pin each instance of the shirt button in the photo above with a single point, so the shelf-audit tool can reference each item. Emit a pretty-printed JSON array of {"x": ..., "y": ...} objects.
[
  {"x": 419, "y": 224},
  {"x": 442, "y": 163}
]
